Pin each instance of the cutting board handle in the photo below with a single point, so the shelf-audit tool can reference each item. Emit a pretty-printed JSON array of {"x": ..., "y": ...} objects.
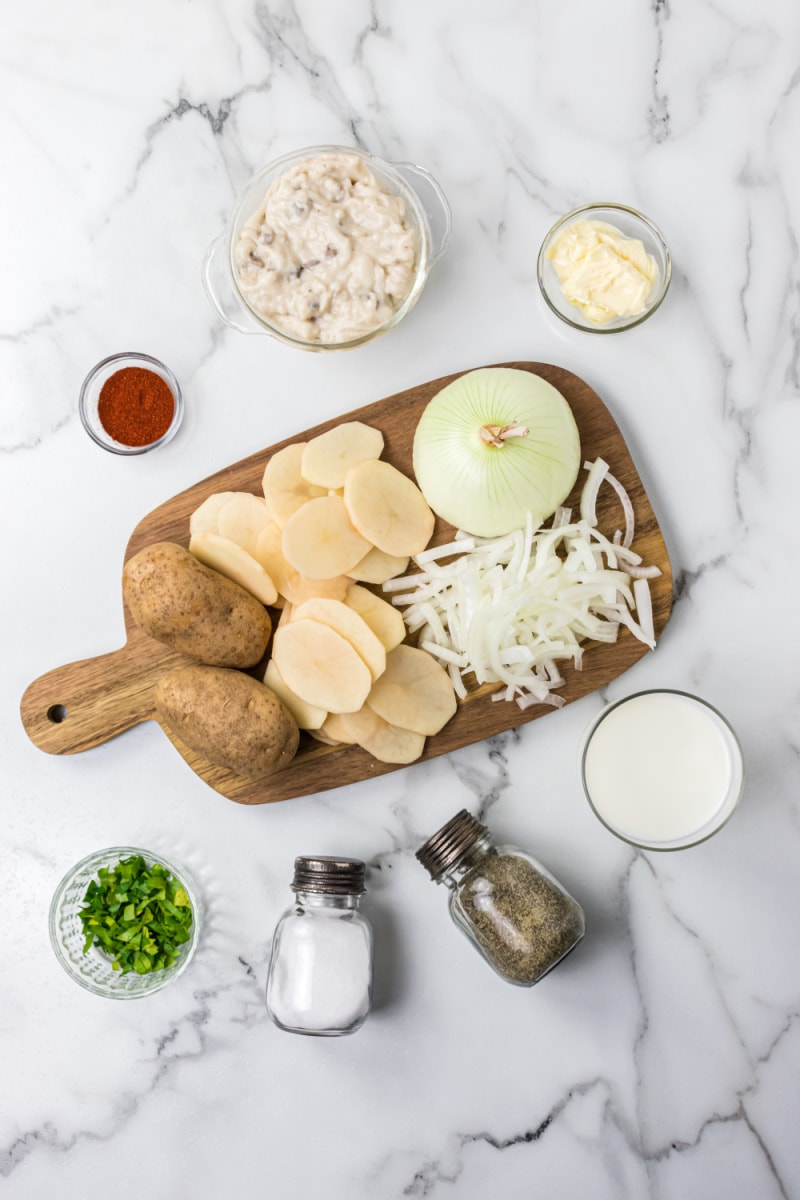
[{"x": 84, "y": 703}]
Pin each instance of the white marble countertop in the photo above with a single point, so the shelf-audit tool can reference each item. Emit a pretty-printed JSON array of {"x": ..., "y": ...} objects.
[{"x": 663, "y": 1058}]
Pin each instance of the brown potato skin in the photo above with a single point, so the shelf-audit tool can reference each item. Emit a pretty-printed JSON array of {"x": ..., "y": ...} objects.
[
  {"x": 230, "y": 718},
  {"x": 186, "y": 605}
]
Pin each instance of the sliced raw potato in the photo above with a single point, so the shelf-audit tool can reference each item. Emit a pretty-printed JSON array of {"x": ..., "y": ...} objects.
[
  {"x": 307, "y": 716},
  {"x": 334, "y": 728},
  {"x": 285, "y": 489},
  {"x": 356, "y": 726},
  {"x": 346, "y": 621},
  {"x": 328, "y": 457},
  {"x": 303, "y": 589},
  {"x": 289, "y": 582},
  {"x": 385, "y": 621},
  {"x": 319, "y": 540},
  {"x": 269, "y": 552},
  {"x": 390, "y": 744},
  {"x": 225, "y": 556},
  {"x": 242, "y": 518},
  {"x": 365, "y": 728},
  {"x": 414, "y": 692},
  {"x": 377, "y": 567},
  {"x": 387, "y": 508},
  {"x": 321, "y": 666},
  {"x": 319, "y": 736},
  {"x": 205, "y": 519}
]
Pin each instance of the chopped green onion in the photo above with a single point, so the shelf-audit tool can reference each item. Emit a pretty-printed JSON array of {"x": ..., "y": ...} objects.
[{"x": 139, "y": 916}]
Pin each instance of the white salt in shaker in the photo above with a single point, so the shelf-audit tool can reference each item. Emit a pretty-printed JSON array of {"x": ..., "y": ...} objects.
[{"x": 320, "y": 972}]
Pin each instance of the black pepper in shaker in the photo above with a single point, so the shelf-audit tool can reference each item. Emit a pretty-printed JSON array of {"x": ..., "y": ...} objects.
[{"x": 509, "y": 906}]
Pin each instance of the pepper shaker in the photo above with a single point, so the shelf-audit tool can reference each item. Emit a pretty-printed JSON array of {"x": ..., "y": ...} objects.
[
  {"x": 510, "y": 907},
  {"x": 319, "y": 980}
]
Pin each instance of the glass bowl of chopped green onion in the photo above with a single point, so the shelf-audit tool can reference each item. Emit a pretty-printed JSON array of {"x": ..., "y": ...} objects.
[{"x": 124, "y": 922}]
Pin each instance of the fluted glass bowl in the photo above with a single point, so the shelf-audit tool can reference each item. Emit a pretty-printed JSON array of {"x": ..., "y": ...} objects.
[
  {"x": 93, "y": 970},
  {"x": 632, "y": 224}
]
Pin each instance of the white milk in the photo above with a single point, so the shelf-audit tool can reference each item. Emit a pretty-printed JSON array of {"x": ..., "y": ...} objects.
[{"x": 662, "y": 769}]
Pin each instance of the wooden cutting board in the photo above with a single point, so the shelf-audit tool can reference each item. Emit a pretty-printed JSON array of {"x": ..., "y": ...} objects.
[{"x": 82, "y": 704}]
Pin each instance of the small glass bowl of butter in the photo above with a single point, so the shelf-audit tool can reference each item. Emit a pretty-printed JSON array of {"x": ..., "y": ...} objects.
[{"x": 604, "y": 268}]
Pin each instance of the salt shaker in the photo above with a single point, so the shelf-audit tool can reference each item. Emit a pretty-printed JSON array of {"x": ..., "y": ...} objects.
[
  {"x": 320, "y": 972},
  {"x": 517, "y": 915}
]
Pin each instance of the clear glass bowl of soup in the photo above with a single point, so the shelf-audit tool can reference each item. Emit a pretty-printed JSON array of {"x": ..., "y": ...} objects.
[{"x": 427, "y": 214}]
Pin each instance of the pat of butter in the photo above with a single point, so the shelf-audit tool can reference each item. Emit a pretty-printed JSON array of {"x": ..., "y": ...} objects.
[{"x": 601, "y": 272}]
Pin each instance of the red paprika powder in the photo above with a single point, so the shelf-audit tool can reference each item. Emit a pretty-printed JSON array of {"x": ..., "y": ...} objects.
[{"x": 135, "y": 406}]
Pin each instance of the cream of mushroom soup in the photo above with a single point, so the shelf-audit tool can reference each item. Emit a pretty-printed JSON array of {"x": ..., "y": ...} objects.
[{"x": 329, "y": 255}]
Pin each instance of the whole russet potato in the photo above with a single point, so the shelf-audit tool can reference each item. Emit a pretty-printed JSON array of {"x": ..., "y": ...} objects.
[
  {"x": 230, "y": 718},
  {"x": 192, "y": 608}
]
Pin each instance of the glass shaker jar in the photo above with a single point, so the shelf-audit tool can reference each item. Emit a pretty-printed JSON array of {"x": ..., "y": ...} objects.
[
  {"x": 320, "y": 973},
  {"x": 517, "y": 915}
]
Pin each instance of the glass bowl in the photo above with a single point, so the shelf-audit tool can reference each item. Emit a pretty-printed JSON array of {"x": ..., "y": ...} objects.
[
  {"x": 632, "y": 224},
  {"x": 665, "y": 777},
  {"x": 93, "y": 970},
  {"x": 427, "y": 210},
  {"x": 90, "y": 397}
]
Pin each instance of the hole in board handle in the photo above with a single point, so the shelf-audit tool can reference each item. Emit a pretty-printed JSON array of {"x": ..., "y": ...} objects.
[{"x": 57, "y": 713}]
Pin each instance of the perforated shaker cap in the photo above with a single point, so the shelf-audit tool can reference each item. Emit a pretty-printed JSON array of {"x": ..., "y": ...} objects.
[
  {"x": 336, "y": 876},
  {"x": 450, "y": 844}
]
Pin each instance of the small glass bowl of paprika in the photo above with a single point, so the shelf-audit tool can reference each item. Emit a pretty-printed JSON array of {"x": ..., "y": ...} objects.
[{"x": 130, "y": 403}]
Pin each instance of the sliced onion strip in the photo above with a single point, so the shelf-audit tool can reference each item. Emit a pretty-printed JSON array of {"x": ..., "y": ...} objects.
[
  {"x": 627, "y": 508},
  {"x": 597, "y": 473},
  {"x": 644, "y": 609},
  {"x": 508, "y": 610}
]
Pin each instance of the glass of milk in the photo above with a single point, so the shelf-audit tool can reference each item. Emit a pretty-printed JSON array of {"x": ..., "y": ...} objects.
[{"x": 662, "y": 769}]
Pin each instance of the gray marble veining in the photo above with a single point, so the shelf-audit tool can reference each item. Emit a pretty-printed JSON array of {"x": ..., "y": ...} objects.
[{"x": 662, "y": 1059}]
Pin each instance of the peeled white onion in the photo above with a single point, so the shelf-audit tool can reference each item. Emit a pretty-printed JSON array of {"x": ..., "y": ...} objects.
[{"x": 494, "y": 446}]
